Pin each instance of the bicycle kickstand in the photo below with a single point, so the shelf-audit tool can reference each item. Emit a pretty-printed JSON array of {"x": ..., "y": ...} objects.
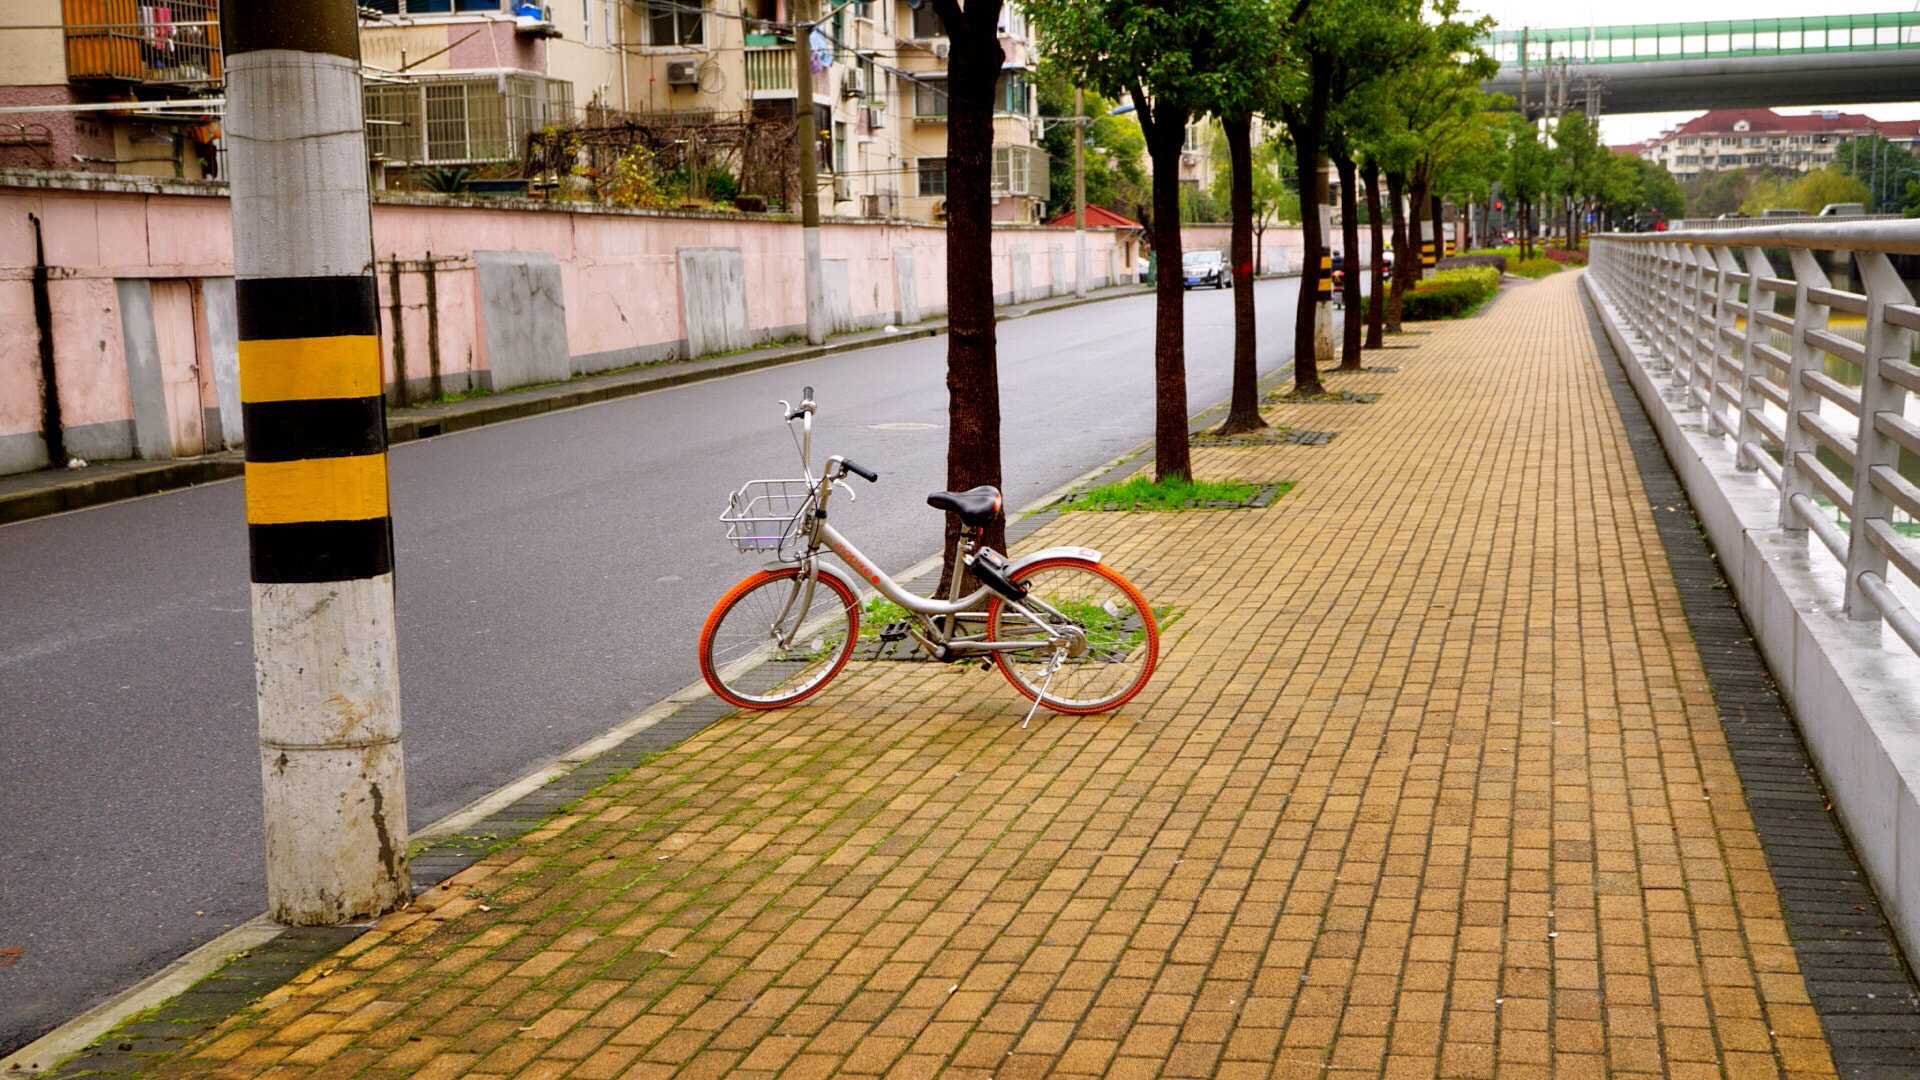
[{"x": 1053, "y": 665}]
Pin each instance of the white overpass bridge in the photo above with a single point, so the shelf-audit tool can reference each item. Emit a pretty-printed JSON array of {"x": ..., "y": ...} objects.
[{"x": 1744, "y": 63}]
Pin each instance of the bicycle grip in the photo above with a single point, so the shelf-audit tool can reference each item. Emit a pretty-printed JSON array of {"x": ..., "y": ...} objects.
[{"x": 859, "y": 470}]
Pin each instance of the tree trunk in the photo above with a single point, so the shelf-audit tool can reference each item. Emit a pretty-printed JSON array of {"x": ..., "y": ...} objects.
[
  {"x": 1350, "y": 263},
  {"x": 1308, "y": 127},
  {"x": 973, "y": 378},
  {"x": 1377, "y": 278},
  {"x": 1402, "y": 251},
  {"x": 1243, "y": 414},
  {"x": 1165, "y": 128}
]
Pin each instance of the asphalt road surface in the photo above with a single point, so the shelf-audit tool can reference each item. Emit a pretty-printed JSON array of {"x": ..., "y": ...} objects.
[{"x": 552, "y": 575}]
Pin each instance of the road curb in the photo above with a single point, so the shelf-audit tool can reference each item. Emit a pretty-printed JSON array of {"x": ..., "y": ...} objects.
[{"x": 426, "y": 422}]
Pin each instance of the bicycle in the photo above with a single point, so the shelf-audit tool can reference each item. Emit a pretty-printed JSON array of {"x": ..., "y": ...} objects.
[{"x": 1066, "y": 630}]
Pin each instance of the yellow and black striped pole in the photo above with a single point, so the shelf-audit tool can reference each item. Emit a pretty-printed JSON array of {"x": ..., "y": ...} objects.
[
  {"x": 1325, "y": 287},
  {"x": 319, "y": 530}
]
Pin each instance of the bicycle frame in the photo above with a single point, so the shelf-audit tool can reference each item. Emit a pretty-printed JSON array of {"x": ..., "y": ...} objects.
[{"x": 941, "y": 641}]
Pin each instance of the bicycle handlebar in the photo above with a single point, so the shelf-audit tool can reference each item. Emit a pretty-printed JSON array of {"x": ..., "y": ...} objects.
[{"x": 861, "y": 471}]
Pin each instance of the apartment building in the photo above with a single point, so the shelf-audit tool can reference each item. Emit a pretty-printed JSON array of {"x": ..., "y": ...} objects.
[
  {"x": 1743, "y": 138},
  {"x": 127, "y": 83},
  {"x": 462, "y": 83}
]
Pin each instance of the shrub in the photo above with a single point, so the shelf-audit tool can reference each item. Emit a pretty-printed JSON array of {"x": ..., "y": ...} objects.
[
  {"x": 1450, "y": 294},
  {"x": 1567, "y": 258},
  {"x": 1536, "y": 268}
]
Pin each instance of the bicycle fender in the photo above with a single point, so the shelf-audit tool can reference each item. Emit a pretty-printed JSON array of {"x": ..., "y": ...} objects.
[{"x": 1077, "y": 554}]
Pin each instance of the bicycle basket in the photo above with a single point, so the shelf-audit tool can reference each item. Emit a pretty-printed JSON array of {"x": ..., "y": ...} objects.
[{"x": 765, "y": 515}]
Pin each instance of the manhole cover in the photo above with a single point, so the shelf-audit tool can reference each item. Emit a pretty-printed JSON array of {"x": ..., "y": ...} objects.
[
  {"x": 902, "y": 425},
  {"x": 1298, "y": 437}
]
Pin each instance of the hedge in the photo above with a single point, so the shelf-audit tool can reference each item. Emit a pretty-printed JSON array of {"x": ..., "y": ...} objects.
[
  {"x": 1449, "y": 294},
  {"x": 1536, "y": 268}
]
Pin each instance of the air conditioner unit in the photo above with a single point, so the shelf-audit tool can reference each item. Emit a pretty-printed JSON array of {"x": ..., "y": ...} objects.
[
  {"x": 683, "y": 72},
  {"x": 851, "y": 86},
  {"x": 941, "y": 49},
  {"x": 876, "y": 118},
  {"x": 842, "y": 189}
]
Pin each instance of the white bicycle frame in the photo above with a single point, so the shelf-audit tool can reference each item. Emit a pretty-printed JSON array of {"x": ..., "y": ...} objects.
[{"x": 943, "y": 642}]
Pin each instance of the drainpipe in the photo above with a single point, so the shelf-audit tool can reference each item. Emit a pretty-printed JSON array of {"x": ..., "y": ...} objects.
[{"x": 51, "y": 429}]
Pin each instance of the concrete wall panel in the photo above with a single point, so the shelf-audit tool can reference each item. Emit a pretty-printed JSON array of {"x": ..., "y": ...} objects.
[
  {"x": 146, "y": 385},
  {"x": 523, "y": 313},
  {"x": 713, "y": 294}
]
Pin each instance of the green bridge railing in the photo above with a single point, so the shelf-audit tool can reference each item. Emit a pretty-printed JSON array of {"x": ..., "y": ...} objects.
[{"x": 1710, "y": 40}]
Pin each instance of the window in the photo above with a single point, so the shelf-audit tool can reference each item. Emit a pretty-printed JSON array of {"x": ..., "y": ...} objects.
[
  {"x": 930, "y": 97},
  {"x": 1020, "y": 170},
  {"x": 461, "y": 119},
  {"x": 840, "y": 147},
  {"x": 1012, "y": 93},
  {"x": 926, "y": 24},
  {"x": 671, "y": 22},
  {"x": 1689, "y": 141},
  {"x": 933, "y": 176}
]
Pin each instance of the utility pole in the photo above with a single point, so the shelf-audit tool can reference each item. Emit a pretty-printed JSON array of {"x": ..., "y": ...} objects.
[
  {"x": 807, "y": 129},
  {"x": 1080, "y": 192},
  {"x": 318, "y": 524}
]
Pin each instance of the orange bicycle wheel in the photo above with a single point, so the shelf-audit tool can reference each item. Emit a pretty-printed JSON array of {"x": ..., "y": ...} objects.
[
  {"x": 1113, "y": 641},
  {"x": 773, "y": 640}
]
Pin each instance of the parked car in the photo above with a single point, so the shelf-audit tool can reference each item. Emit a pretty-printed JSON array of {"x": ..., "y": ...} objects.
[
  {"x": 1205, "y": 268},
  {"x": 1843, "y": 209}
]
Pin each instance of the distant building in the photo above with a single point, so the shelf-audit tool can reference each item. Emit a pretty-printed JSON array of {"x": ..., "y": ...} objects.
[
  {"x": 1746, "y": 138},
  {"x": 463, "y": 83}
]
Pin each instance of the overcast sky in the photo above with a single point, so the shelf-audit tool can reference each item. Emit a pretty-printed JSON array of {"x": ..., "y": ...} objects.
[{"x": 1514, "y": 14}]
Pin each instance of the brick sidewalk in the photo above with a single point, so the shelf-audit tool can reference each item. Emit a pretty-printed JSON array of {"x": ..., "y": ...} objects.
[{"x": 1338, "y": 835}]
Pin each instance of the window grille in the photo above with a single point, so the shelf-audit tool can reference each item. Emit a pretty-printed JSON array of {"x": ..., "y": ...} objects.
[
  {"x": 429, "y": 7},
  {"x": 461, "y": 119}
]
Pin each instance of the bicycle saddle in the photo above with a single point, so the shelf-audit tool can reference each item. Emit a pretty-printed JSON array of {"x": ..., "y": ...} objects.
[{"x": 976, "y": 508}]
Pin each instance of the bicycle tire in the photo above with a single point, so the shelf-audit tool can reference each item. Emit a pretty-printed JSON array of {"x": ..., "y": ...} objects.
[
  {"x": 1123, "y": 638},
  {"x": 741, "y": 628}
]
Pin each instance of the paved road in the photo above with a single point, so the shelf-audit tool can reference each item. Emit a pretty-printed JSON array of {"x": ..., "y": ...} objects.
[{"x": 552, "y": 575}]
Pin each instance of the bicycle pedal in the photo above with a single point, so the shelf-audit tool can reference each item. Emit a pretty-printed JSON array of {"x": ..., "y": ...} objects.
[{"x": 894, "y": 631}]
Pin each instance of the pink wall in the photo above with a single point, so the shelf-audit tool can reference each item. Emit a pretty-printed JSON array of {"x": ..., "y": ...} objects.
[{"x": 619, "y": 274}]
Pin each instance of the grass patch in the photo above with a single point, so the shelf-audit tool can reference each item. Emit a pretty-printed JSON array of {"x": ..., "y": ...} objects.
[{"x": 1173, "y": 494}]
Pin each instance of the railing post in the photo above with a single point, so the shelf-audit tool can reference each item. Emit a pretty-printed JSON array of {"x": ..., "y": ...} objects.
[
  {"x": 1884, "y": 341},
  {"x": 1758, "y": 266},
  {"x": 1719, "y": 352},
  {"x": 1807, "y": 316}
]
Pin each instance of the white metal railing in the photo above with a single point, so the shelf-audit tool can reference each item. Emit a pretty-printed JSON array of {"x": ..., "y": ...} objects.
[{"x": 1810, "y": 381}]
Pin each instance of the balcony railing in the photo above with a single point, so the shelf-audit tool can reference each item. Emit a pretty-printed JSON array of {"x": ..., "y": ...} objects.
[
  {"x": 172, "y": 43},
  {"x": 1810, "y": 379},
  {"x": 770, "y": 70}
]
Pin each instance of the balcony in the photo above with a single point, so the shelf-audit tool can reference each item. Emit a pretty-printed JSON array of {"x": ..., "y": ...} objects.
[
  {"x": 770, "y": 71},
  {"x": 175, "y": 43}
]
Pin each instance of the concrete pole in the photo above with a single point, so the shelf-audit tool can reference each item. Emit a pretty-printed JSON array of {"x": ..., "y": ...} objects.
[
  {"x": 805, "y": 130},
  {"x": 319, "y": 530},
  {"x": 1080, "y": 193},
  {"x": 1323, "y": 350}
]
